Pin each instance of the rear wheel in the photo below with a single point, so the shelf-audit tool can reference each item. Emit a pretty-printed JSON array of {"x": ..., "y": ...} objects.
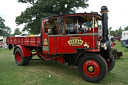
[
  {"x": 20, "y": 60},
  {"x": 92, "y": 67}
]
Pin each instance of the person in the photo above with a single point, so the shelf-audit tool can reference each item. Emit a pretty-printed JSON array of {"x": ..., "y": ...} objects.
[
  {"x": 82, "y": 29},
  {"x": 54, "y": 30},
  {"x": 50, "y": 31},
  {"x": 75, "y": 29}
]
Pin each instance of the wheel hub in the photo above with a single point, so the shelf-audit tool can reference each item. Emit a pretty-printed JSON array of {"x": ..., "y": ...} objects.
[{"x": 90, "y": 69}]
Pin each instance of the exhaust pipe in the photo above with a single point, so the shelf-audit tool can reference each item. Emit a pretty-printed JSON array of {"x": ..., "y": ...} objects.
[
  {"x": 104, "y": 11},
  {"x": 105, "y": 42}
]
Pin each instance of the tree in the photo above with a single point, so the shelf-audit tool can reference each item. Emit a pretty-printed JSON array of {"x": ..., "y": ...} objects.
[
  {"x": 2, "y": 25},
  {"x": 38, "y": 9},
  {"x": 93, "y": 12},
  {"x": 111, "y": 32},
  {"x": 118, "y": 32},
  {"x": 17, "y": 32},
  {"x": 4, "y": 30},
  {"x": 126, "y": 28}
]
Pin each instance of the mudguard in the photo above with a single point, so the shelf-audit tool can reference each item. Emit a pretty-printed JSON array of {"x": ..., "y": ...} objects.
[{"x": 25, "y": 51}]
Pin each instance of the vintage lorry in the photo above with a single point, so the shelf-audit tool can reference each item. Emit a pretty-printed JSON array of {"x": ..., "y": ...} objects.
[{"x": 75, "y": 39}]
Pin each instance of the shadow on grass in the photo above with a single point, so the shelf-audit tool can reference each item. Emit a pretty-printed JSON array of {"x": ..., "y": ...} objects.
[
  {"x": 53, "y": 65},
  {"x": 110, "y": 78},
  {"x": 73, "y": 72}
]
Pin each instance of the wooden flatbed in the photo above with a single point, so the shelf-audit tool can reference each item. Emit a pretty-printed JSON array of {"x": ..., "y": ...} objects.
[{"x": 25, "y": 41}]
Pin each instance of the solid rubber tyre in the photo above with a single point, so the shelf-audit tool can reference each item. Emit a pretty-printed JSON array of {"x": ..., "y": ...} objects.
[
  {"x": 20, "y": 60},
  {"x": 110, "y": 63},
  {"x": 96, "y": 62}
]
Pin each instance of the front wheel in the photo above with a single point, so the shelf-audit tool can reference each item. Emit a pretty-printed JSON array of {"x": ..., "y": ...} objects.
[
  {"x": 92, "y": 67},
  {"x": 20, "y": 60}
]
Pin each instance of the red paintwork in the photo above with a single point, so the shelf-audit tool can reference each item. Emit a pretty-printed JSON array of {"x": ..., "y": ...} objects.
[
  {"x": 61, "y": 60},
  {"x": 24, "y": 41},
  {"x": 113, "y": 44},
  {"x": 46, "y": 55},
  {"x": 50, "y": 57},
  {"x": 26, "y": 52},
  {"x": 57, "y": 44},
  {"x": 96, "y": 67},
  {"x": 94, "y": 50},
  {"x": 52, "y": 45},
  {"x": 18, "y": 57},
  {"x": 62, "y": 45},
  {"x": 45, "y": 36}
]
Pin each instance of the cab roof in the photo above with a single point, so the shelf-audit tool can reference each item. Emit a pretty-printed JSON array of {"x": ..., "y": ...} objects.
[{"x": 87, "y": 16}]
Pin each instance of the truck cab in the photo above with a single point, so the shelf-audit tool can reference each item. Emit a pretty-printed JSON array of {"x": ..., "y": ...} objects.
[{"x": 71, "y": 33}]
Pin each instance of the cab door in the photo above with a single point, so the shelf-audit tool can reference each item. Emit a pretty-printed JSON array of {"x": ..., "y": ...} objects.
[{"x": 45, "y": 41}]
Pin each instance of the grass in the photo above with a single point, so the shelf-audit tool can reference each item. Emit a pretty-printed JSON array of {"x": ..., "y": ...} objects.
[{"x": 40, "y": 72}]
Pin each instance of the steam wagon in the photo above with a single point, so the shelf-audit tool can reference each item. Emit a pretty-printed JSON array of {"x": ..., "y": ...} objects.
[{"x": 79, "y": 39}]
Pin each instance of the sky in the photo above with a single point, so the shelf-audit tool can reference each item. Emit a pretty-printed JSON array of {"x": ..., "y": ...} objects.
[
  {"x": 9, "y": 9},
  {"x": 118, "y": 12}
]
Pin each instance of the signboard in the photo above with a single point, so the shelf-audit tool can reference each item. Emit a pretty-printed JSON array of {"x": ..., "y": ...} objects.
[{"x": 75, "y": 41}]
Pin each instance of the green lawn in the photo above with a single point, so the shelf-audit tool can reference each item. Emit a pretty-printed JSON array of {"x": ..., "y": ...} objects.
[{"x": 40, "y": 72}]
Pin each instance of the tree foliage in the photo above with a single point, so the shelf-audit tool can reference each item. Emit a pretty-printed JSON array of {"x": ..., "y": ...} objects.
[
  {"x": 112, "y": 33},
  {"x": 38, "y": 9},
  {"x": 17, "y": 32},
  {"x": 2, "y": 25},
  {"x": 126, "y": 28},
  {"x": 117, "y": 32},
  {"x": 4, "y": 30}
]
